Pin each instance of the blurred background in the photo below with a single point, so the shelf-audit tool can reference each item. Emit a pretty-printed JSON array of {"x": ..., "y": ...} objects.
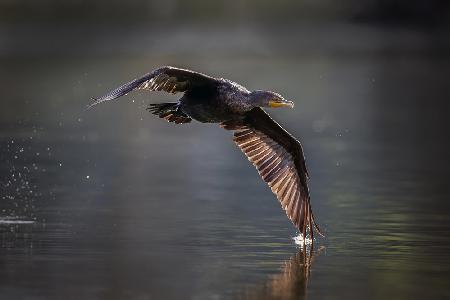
[{"x": 113, "y": 203}]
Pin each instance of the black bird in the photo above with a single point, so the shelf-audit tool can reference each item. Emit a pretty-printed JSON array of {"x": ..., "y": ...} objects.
[{"x": 276, "y": 154}]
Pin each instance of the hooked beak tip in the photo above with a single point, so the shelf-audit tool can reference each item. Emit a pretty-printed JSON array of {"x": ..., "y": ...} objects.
[{"x": 281, "y": 104}]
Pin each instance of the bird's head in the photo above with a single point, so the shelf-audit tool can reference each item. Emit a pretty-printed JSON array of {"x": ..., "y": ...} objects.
[{"x": 269, "y": 99}]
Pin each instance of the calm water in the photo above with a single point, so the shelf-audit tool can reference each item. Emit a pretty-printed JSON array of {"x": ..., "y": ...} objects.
[{"x": 114, "y": 203}]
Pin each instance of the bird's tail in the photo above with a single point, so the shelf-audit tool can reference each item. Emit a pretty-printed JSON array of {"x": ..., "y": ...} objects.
[{"x": 169, "y": 111}]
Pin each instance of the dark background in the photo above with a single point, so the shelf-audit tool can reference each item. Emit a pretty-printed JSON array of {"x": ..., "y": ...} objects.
[{"x": 114, "y": 203}]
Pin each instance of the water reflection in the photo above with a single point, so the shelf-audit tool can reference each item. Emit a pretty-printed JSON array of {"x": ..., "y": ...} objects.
[{"x": 291, "y": 282}]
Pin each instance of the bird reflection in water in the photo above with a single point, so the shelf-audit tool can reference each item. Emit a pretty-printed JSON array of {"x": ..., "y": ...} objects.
[{"x": 291, "y": 282}]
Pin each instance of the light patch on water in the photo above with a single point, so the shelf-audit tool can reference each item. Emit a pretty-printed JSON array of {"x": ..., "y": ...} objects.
[
  {"x": 9, "y": 221},
  {"x": 300, "y": 241}
]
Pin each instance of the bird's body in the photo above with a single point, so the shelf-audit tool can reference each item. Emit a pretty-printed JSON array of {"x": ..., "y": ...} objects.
[
  {"x": 205, "y": 106},
  {"x": 222, "y": 102},
  {"x": 276, "y": 154}
]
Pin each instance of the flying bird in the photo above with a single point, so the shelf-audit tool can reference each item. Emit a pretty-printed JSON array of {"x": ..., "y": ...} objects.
[{"x": 276, "y": 154}]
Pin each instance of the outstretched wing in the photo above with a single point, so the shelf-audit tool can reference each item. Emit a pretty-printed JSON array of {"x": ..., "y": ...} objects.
[
  {"x": 279, "y": 159},
  {"x": 168, "y": 79}
]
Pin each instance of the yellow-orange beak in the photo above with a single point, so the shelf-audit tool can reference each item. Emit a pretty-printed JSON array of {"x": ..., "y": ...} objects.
[{"x": 281, "y": 103}]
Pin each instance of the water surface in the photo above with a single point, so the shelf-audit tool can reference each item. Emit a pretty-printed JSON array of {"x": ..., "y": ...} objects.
[{"x": 113, "y": 203}]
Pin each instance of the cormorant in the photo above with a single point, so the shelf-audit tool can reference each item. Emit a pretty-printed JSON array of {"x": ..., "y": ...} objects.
[{"x": 276, "y": 154}]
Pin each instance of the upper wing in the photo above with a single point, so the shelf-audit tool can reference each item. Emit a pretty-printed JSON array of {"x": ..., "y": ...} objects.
[
  {"x": 278, "y": 156},
  {"x": 169, "y": 79}
]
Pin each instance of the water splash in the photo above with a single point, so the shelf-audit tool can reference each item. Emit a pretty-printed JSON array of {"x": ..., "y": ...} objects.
[{"x": 300, "y": 241}]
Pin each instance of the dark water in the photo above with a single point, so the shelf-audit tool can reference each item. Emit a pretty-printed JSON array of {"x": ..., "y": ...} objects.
[{"x": 113, "y": 203}]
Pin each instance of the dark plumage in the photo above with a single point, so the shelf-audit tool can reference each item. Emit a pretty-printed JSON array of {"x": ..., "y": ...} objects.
[{"x": 276, "y": 154}]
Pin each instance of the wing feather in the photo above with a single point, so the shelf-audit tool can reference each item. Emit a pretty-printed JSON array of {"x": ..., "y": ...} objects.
[
  {"x": 168, "y": 79},
  {"x": 279, "y": 159}
]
